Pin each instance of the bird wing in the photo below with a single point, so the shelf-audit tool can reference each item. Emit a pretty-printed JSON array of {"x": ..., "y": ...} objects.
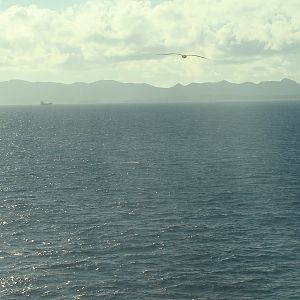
[
  {"x": 197, "y": 56},
  {"x": 169, "y": 54}
]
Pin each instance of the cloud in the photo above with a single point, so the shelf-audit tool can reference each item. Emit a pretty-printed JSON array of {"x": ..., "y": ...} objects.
[{"x": 121, "y": 38}]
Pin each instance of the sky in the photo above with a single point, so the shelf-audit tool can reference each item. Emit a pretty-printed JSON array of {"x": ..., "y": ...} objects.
[{"x": 89, "y": 40}]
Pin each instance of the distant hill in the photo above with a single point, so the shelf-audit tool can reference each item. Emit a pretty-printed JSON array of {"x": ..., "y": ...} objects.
[{"x": 108, "y": 91}]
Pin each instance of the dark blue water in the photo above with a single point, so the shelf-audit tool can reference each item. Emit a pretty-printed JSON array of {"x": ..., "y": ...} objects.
[{"x": 186, "y": 201}]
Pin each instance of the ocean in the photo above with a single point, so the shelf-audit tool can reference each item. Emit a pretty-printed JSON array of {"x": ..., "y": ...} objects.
[{"x": 150, "y": 201}]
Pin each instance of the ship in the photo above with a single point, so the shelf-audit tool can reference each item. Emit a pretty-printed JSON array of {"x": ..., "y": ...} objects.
[{"x": 46, "y": 103}]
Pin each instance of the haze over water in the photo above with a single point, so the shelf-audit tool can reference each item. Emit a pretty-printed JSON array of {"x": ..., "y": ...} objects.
[{"x": 151, "y": 201}]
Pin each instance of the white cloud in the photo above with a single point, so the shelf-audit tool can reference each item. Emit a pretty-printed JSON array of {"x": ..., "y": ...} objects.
[{"x": 246, "y": 40}]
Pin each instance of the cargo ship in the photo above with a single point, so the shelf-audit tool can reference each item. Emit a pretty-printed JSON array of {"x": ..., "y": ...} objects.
[{"x": 46, "y": 103}]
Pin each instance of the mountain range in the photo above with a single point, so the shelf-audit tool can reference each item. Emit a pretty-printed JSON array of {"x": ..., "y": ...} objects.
[{"x": 18, "y": 92}]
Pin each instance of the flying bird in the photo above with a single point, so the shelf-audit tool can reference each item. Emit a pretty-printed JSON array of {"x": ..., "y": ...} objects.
[{"x": 183, "y": 55}]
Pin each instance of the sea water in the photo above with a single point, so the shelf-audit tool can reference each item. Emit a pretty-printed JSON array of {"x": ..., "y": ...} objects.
[{"x": 150, "y": 201}]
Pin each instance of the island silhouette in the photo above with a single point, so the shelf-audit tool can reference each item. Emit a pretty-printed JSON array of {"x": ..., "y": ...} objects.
[{"x": 19, "y": 92}]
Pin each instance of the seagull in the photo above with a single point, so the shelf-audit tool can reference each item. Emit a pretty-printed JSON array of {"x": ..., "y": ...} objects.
[{"x": 183, "y": 55}]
